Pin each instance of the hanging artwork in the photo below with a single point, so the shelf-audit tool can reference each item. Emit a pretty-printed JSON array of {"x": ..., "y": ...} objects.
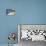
[
  {"x": 12, "y": 38},
  {"x": 10, "y": 12},
  {"x": 32, "y": 32}
]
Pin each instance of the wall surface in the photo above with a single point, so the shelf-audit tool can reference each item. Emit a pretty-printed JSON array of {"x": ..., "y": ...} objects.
[{"x": 27, "y": 12}]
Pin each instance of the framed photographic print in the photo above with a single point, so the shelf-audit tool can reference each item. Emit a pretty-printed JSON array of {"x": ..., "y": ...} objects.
[
  {"x": 10, "y": 12},
  {"x": 32, "y": 32}
]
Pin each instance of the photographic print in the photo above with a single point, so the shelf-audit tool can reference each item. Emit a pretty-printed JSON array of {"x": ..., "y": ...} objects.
[
  {"x": 10, "y": 12},
  {"x": 28, "y": 34}
]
